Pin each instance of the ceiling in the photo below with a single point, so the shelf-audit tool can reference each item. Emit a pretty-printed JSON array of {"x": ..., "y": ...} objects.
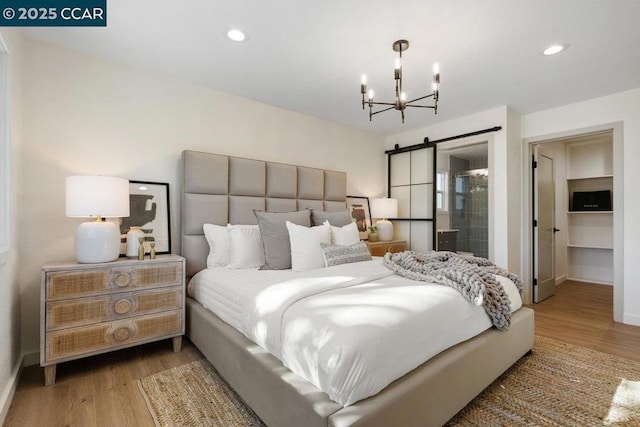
[{"x": 308, "y": 56}]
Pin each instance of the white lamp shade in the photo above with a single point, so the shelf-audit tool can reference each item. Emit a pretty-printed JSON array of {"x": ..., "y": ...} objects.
[
  {"x": 92, "y": 196},
  {"x": 97, "y": 196},
  {"x": 384, "y": 208}
]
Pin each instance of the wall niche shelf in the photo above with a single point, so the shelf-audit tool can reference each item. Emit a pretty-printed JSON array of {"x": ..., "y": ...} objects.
[
  {"x": 605, "y": 248},
  {"x": 590, "y": 233},
  {"x": 590, "y": 212}
]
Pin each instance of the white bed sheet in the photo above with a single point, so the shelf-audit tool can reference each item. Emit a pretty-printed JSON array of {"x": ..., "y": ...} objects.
[{"x": 351, "y": 329}]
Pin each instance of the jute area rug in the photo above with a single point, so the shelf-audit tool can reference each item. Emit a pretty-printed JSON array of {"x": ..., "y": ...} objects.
[{"x": 557, "y": 385}]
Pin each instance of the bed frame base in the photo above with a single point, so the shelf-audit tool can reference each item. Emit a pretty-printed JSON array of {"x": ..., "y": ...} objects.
[{"x": 427, "y": 396}]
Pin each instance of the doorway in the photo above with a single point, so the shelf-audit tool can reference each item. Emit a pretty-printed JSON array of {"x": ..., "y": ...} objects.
[
  {"x": 572, "y": 231},
  {"x": 462, "y": 198}
]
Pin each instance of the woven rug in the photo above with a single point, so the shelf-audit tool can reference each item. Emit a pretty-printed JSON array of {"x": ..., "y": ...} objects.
[
  {"x": 194, "y": 395},
  {"x": 557, "y": 385}
]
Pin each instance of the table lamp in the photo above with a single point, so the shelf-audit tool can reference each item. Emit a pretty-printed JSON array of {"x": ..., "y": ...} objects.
[
  {"x": 98, "y": 197},
  {"x": 384, "y": 208}
]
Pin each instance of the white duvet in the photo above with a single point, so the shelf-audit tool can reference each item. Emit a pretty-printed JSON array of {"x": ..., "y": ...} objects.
[{"x": 351, "y": 329}]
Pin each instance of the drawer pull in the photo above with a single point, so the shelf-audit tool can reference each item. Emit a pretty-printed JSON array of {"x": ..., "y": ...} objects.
[
  {"x": 121, "y": 333},
  {"x": 122, "y": 279},
  {"x": 122, "y": 306}
]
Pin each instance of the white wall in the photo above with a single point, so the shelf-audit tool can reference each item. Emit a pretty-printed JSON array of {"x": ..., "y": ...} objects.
[
  {"x": 85, "y": 115},
  {"x": 505, "y": 190},
  {"x": 10, "y": 355},
  {"x": 603, "y": 113}
]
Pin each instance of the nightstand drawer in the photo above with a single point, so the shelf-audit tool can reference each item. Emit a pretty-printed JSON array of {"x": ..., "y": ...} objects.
[
  {"x": 73, "y": 342},
  {"x": 381, "y": 248},
  {"x": 86, "y": 311},
  {"x": 86, "y": 282}
]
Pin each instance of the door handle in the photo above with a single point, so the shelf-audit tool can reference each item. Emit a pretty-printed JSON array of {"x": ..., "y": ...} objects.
[{"x": 555, "y": 230}]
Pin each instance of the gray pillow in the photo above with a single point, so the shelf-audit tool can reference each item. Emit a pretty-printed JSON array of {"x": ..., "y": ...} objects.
[
  {"x": 338, "y": 254},
  {"x": 275, "y": 236},
  {"x": 335, "y": 218}
]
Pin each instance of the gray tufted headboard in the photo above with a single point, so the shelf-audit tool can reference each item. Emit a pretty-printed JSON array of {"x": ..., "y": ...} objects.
[{"x": 218, "y": 189}]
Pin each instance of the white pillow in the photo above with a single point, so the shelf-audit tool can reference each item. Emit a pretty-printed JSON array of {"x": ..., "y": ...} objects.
[
  {"x": 218, "y": 239},
  {"x": 245, "y": 246},
  {"x": 345, "y": 235},
  {"x": 306, "y": 252}
]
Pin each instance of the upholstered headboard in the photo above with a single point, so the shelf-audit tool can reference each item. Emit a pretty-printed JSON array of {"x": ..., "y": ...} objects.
[{"x": 218, "y": 189}]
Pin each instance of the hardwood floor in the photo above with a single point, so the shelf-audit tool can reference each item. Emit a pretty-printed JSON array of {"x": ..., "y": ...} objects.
[
  {"x": 96, "y": 391},
  {"x": 102, "y": 390},
  {"x": 582, "y": 314}
]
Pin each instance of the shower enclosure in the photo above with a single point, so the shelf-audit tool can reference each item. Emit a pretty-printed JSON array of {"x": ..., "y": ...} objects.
[{"x": 463, "y": 218}]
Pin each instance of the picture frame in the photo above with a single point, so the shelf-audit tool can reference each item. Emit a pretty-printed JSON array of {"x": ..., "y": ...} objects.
[
  {"x": 149, "y": 209},
  {"x": 361, "y": 213}
]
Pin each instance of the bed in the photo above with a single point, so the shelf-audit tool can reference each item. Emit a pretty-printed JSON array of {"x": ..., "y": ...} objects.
[{"x": 218, "y": 189}]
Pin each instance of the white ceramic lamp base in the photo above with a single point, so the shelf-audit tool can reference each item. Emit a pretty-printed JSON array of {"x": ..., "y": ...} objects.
[
  {"x": 385, "y": 230},
  {"x": 97, "y": 242}
]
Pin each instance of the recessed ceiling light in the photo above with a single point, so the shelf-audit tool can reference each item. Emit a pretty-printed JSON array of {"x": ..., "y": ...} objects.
[
  {"x": 236, "y": 35},
  {"x": 555, "y": 48}
]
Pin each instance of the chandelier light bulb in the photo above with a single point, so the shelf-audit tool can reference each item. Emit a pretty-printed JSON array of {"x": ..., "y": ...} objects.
[
  {"x": 371, "y": 93},
  {"x": 363, "y": 79},
  {"x": 398, "y": 64},
  {"x": 403, "y": 96},
  {"x": 434, "y": 86},
  {"x": 436, "y": 68}
]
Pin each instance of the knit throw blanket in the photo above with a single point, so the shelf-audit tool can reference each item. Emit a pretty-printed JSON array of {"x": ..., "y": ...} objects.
[{"x": 472, "y": 276}]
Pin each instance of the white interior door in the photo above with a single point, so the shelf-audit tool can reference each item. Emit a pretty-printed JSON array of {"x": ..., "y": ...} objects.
[{"x": 544, "y": 283}]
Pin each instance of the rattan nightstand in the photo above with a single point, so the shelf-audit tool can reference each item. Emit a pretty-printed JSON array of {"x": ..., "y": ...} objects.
[
  {"x": 381, "y": 248},
  {"x": 88, "y": 309}
]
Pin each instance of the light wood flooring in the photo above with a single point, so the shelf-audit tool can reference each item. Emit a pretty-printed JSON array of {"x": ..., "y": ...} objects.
[
  {"x": 102, "y": 390},
  {"x": 582, "y": 314}
]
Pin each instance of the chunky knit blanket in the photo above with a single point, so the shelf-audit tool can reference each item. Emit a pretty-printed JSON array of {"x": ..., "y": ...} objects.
[{"x": 472, "y": 276}]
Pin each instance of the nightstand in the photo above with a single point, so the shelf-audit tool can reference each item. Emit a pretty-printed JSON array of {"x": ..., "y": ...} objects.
[
  {"x": 381, "y": 248},
  {"x": 88, "y": 309}
]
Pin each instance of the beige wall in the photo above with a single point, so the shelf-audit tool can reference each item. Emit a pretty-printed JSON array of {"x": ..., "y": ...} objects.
[
  {"x": 10, "y": 355},
  {"x": 85, "y": 115}
]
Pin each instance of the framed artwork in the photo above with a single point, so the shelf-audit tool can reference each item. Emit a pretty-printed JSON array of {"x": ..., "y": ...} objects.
[
  {"x": 149, "y": 210},
  {"x": 361, "y": 214}
]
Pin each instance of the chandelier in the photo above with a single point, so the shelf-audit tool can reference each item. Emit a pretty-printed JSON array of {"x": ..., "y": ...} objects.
[{"x": 401, "y": 102}]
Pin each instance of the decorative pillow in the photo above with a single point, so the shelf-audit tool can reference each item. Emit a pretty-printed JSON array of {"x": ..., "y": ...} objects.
[
  {"x": 335, "y": 218},
  {"x": 306, "y": 252},
  {"x": 218, "y": 240},
  {"x": 245, "y": 246},
  {"x": 275, "y": 237},
  {"x": 339, "y": 254},
  {"x": 345, "y": 236}
]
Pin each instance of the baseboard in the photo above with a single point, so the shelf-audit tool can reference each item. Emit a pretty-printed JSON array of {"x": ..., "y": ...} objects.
[
  {"x": 31, "y": 359},
  {"x": 593, "y": 282},
  {"x": 561, "y": 279},
  {"x": 631, "y": 319},
  {"x": 10, "y": 390}
]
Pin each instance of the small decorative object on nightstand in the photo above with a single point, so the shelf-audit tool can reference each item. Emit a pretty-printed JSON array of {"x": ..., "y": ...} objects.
[
  {"x": 381, "y": 248},
  {"x": 89, "y": 309},
  {"x": 141, "y": 248},
  {"x": 152, "y": 253},
  {"x": 133, "y": 235},
  {"x": 373, "y": 233}
]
